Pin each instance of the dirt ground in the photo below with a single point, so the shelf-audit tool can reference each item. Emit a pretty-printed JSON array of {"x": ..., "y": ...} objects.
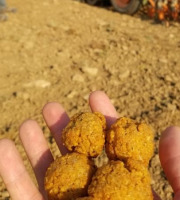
[{"x": 61, "y": 50}]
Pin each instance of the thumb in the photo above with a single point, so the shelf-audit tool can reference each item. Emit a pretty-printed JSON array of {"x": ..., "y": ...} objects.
[{"x": 169, "y": 153}]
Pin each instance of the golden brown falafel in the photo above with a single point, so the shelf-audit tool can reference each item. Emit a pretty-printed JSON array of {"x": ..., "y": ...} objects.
[
  {"x": 116, "y": 182},
  {"x": 128, "y": 142},
  {"x": 129, "y": 139},
  {"x": 68, "y": 177},
  {"x": 85, "y": 133}
]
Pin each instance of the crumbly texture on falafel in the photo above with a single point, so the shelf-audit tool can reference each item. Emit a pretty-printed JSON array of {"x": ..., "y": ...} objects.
[
  {"x": 68, "y": 177},
  {"x": 115, "y": 181},
  {"x": 129, "y": 146},
  {"x": 85, "y": 133},
  {"x": 129, "y": 139}
]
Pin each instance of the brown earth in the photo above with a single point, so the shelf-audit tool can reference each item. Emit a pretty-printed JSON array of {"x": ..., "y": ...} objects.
[{"x": 61, "y": 50}]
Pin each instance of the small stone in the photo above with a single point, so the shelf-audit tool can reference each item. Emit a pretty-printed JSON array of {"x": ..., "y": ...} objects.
[
  {"x": 52, "y": 24},
  {"x": 86, "y": 97},
  {"x": 90, "y": 70},
  {"x": 71, "y": 94},
  {"x": 125, "y": 48},
  {"x": 163, "y": 60},
  {"x": 168, "y": 78},
  {"x": 78, "y": 78},
  {"x": 102, "y": 23},
  {"x": 124, "y": 74},
  {"x": 98, "y": 51},
  {"x": 38, "y": 83}
]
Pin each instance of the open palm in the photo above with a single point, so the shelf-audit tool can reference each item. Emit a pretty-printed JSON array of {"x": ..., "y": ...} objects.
[{"x": 17, "y": 179}]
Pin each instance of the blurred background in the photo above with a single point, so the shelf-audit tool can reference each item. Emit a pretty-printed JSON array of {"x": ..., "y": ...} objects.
[{"x": 61, "y": 50}]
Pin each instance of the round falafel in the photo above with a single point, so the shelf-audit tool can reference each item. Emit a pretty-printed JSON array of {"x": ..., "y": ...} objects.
[
  {"x": 85, "y": 133},
  {"x": 116, "y": 181},
  {"x": 129, "y": 139},
  {"x": 68, "y": 177},
  {"x": 129, "y": 146}
]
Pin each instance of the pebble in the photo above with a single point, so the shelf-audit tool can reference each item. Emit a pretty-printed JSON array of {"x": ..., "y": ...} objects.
[
  {"x": 125, "y": 48},
  {"x": 86, "y": 97},
  {"x": 163, "y": 60},
  {"x": 52, "y": 24},
  {"x": 71, "y": 94},
  {"x": 155, "y": 160},
  {"x": 102, "y": 23},
  {"x": 38, "y": 83},
  {"x": 98, "y": 51},
  {"x": 78, "y": 78},
  {"x": 124, "y": 74},
  {"x": 90, "y": 70},
  {"x": 169, "y": 78}
]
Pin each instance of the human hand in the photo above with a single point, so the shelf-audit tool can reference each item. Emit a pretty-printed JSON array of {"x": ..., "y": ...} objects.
[{"x": 17, "y": 179}]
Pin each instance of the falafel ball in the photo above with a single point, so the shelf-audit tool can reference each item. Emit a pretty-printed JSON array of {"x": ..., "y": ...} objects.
[
  {"x": 68, "y": 177},
  {"x": 129, "y": 139},
  {"x": 85, "y": 133},
  {"x": 115, "y": 181}
]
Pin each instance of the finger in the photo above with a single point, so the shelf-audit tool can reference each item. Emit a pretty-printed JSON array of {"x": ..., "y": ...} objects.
[
  {"x": 14, "y": 174},
  {"x": 169, "y": 152},
  {"x": 37, "y": 150},
  {"x": 56, "y": 119},
  {"x": 100, "y": 102}
]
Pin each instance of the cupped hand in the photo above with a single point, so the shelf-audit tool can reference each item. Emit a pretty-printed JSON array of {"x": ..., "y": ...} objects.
[{"x": 19, "y": 182}]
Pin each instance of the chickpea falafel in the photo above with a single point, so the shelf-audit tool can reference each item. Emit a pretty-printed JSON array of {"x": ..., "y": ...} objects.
[
  {"x": 68, "y": 177},
  {"x": 129, "y": 146},
  {"x": 116, "y": 181},
  {"x": 85, "y": 133},
  {"x": 129, "y": 139}
]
